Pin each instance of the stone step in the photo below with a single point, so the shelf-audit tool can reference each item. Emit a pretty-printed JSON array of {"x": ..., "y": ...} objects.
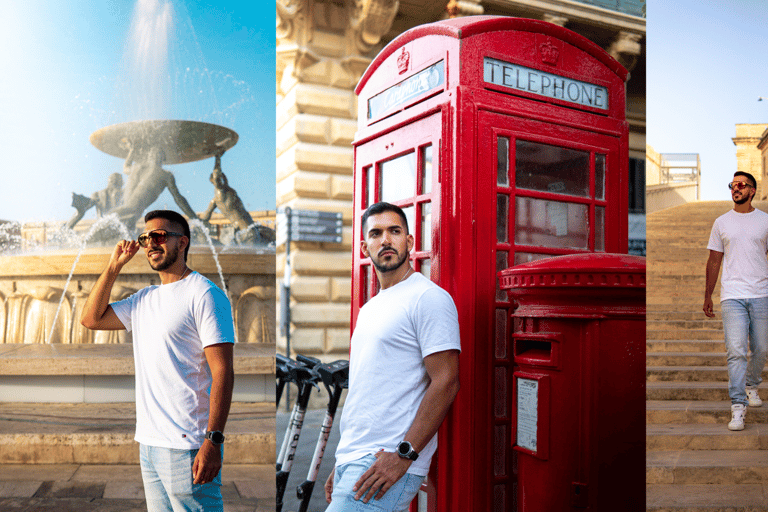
[
  {"x": 706, "y": 497},
  {"x": 666, "y": 314},
  {"x": 702, "y": 323},
  {"x": 706, "y": 467},
  {"x": 687, "y": 390},
  {"x": 683, "y": 334},
  {"x": 683, "y": 436},
  {"x": 684, "y": 346},
  {"x": 685, "y": 359},
  {"x": 699, "y": 412},
  {"x": 86, "y": 433},
  {"x": 688, "y": 374}
]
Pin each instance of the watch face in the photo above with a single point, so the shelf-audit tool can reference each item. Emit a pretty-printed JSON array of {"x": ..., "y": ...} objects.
[
  {"x": 403, "y": 448},
  {"x": 216, "y": 437}
]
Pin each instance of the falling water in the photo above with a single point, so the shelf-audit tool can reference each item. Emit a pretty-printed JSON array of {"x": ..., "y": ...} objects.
[
  {"x": 198, "y": 224},
  {"x": 109, "y": 220}
]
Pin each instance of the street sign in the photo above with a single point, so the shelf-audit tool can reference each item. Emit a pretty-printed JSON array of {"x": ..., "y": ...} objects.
[{"x": 309, "y": 226}]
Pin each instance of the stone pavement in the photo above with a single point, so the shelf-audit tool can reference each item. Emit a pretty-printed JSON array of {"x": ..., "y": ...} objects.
[
  {"x": 118, "y": 488},
  {"x": 310, "y": 431},
  {"x": 82, "y": 457}
]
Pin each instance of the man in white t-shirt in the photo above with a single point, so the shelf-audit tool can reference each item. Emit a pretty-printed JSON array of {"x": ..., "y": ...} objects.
[
  {"x": 183, "y": 344},
  {"x": 403, "y": 376},
  {"x": 740, "y": 237}
]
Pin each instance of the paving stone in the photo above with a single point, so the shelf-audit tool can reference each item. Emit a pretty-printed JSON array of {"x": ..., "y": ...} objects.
[
  {"x": 70, "y": 489},
  {"x": 129, "y": 490},
  {"x": 108, "y": 473},
  {"x": 11, "y": 472},
  {"x": 19, "y": 489}
]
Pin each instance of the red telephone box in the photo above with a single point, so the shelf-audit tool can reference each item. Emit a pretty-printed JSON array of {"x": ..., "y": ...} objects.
[{"x": 504, "y": 140}]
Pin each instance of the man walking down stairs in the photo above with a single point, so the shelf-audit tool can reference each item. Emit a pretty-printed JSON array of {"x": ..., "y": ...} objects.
[{"x": 694, "y": 462}]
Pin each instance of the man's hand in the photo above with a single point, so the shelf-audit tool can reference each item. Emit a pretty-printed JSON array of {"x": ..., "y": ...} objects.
[
  {"x": 124, "y": 251},
  {"x": 207, "y": 463},
  {"x": 708, "y": 307},
  {"x": 383, "y": 474},
  {"x": 329, "y": 486}
]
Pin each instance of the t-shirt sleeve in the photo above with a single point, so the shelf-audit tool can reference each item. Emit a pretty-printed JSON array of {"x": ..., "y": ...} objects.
[
  {"x": 124, "y": 309},
  {"x": 214, "y": 318},
  {"x": 715, "y": 240},
  {"x": 437, "y": 322}
]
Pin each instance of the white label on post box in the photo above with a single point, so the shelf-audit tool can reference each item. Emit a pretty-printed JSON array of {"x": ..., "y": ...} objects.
[
  {"x": 546, "y": 84},
  {"x": 527, "y": 413}
]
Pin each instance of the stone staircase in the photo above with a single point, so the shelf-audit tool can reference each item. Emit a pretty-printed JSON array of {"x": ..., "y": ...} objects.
[{"x": 693, "y": 462}]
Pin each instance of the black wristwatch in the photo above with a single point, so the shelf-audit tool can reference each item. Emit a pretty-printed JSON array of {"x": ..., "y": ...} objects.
[
  {"x": 406, "y": 451},
  {"x": 215, "y": 436}
]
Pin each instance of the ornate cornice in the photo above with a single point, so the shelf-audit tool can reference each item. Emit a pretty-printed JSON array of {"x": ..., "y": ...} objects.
[{"x": 370, "y": 20}]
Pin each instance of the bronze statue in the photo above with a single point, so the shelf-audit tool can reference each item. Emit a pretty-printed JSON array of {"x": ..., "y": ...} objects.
[{"x": 104, "y": 200}]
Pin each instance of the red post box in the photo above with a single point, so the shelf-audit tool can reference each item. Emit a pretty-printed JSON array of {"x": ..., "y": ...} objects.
[
  {"x": 579, "y": 385},
  {"x": 504, "y": 140}
]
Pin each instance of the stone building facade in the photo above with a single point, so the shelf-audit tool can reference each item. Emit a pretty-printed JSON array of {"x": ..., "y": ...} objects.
[{"x": 323, "y": 48}]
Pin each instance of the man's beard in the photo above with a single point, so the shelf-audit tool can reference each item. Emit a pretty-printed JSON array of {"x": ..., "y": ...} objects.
[
  {"x": 388, "y": 267},
  {"x": 744, "y": 199},
  {"x": 170, "y": 259}
]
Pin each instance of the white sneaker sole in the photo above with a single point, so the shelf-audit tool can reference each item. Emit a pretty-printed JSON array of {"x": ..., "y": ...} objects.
[{"x": 739, "y": 426}]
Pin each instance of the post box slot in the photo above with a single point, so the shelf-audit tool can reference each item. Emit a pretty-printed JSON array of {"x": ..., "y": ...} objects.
[{"x": 536, "y": 351}]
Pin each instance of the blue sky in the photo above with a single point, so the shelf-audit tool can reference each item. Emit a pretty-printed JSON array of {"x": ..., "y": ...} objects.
[
  {"x": 706, "y": 68},
  {"x": 64, "y": 75}
]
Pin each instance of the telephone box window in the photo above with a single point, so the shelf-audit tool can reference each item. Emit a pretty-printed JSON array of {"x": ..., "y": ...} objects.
[
  {"x": 548, "y": 168},
  {"x": 599, "y": 176},
  {"x": 526, "y": 257},
  {"x": 371, "y": 175},
  {"x": 426, "y": 169},
  {"x": 502, "y": 214},
  {"x": 425, "y": 268},
  {"x": 502, "y": 161},
  {"x": 551, "y": 223},
  {"x": 599, "y": 228},
  {"x": 366, "y": 283},
  {"x": 397, "y": 178},
  {"x": 410, "y": 216},
  {"x": 425, "y": 237}
]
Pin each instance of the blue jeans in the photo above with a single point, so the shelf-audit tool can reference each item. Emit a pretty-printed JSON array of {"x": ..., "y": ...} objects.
[
  {"x": 745, "y": 324},
  {"x": 396, "y": 499},
  {"x": 167, "y": 475}
]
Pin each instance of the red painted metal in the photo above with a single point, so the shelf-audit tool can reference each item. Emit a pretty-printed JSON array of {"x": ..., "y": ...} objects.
[
  {"x": 426, "y": 89},
  {"x": 580, "y": 335}
]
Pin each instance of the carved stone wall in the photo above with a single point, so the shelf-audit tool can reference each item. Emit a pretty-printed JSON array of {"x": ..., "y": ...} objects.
[
  {"x": 32, "y": 287},
  {"x": 748, "y": 155}
]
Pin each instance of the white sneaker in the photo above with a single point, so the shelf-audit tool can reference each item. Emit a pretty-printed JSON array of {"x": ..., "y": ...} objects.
[
  {"x": 737, "y": 417},
  {"x": 753, "y": 397}
]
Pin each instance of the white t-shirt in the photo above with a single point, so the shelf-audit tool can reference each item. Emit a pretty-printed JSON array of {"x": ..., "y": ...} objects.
[
  {"x": 171, "y": 325},
  {"x": 395, "y": 331},
  {"x": 743, "y": 238}
]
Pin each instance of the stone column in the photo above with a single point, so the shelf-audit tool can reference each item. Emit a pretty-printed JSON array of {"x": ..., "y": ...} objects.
[
  {"x": 748, "y": 156},
  {"x": 323, "y": 48}
]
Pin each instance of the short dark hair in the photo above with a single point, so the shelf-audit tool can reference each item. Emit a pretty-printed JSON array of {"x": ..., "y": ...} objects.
[
  {"x": 382, "y": 207},
  {"x": 176, "y": 218},
  {"x": 751, "y": 178}
]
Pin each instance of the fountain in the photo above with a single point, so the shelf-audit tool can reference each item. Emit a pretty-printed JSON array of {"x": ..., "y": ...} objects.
[{"x": 48, "y": 269}]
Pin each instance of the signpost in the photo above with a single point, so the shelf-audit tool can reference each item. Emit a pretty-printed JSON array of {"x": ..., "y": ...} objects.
[{"x": 301, "y": 226}]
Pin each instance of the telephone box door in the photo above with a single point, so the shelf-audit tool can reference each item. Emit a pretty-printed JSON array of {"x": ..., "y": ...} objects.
[{"x": 402, "y": 168}]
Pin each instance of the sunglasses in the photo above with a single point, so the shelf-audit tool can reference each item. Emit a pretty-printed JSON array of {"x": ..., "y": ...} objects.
[
  {"x": 738, "y": 185},
  {"x": 158, "y": 237}
]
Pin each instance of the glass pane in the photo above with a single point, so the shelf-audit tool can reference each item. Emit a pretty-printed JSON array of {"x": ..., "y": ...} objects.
[
  {"x": 501, "y": 264},
  {"x": 500, "y": 442},
  {"x": 501, "y": 334},
  {"x": 398, "y": 178},
  {"x": 426, "y": 169},
  {"x": 599, "y": 228},
  {"x": 426, "y": 268},
  {"x": 410, "y": 216},
  {"x": 371, "y": 186},
  {"x": 502, "y": 161},
  {"x": 500, "y": 402},
  {"x": 525, "y": 257},
  {"x": 551, "y": 169},
  {"x": 425, "y": 236},
  {"x": 599, "y": 176},
  {"x": 502, "y": 214},
  {"x": 366, "y": 283},
  {"x": 551, "y": 223}
]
